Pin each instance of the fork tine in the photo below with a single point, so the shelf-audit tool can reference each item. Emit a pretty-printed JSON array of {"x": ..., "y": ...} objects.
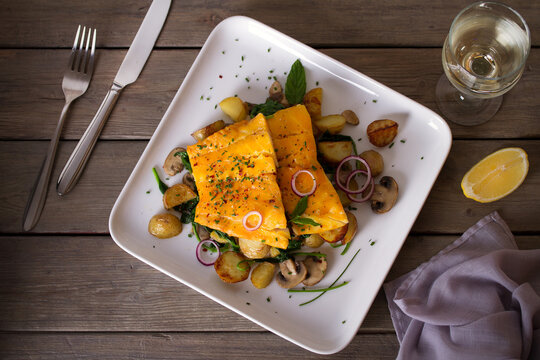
[
  {"x": 74, "y": 49},
  {"x": 90, "y": 68},
  {"x": 86, "y": 48},
  {"x": 79, "y": 51}
]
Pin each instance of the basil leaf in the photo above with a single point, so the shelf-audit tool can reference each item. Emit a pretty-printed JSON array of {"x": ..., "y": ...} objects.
[
  {"x": 267, "y": 109},
  {"x": 300, "y": 207},
  {"x": 185, "y": 159},
  {"x": 295, "y": 87},
  {"x": 162, "y": 186},
  {"x": 304, "y": 221}
]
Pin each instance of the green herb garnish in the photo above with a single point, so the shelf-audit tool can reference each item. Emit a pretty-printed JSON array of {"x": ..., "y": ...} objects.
[
  {"x": 162, "y": 186},
  {"x": 267, "y": 109},
  {"x": 304, "y": 221},
  {"x": 295, "y": 87},
  {"x": 319, "y": 290}
]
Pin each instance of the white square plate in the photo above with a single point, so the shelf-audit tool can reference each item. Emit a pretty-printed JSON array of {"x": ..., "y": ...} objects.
[{"x": 241, "y": 56}]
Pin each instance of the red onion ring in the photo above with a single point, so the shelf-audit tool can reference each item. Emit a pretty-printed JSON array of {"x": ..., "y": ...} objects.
[
  {"x": 245, "y": 219},
  {"x": 199, "y": 252},
  {"x": 346, "y": 187},
  {"x": 293, "y": 183},
  {"x": 370, "y": 181}
]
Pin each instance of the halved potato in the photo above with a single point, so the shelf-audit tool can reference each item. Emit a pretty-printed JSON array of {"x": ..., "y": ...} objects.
[
  {"x": 335, "y": 151},
  {"x": 335, "y": 235},
  {"x": 331, "y": 123},
  {"x": 234, "y": 107},
  {"x": 263, "y": 274},
  {"x": 374, "y": 160},
  {"x": 274, "y": 251},
  {"x": 227, "y": 269},
  {"x": 345, "y": 201},
  {"x": 206, "y": 131},
  {"x": 350, "y": 117},
  {"x": 164, "y": 226},
  {"x": 314, "y": 241},
  {"x": 253, "y": 249},
  {"x": 217, "y": 237},
  {"x": 312, "y": 101},
  {"x": 177, "y": 194},
  {"x": 382, "y": 132},
  {"x": 352, "y": 229}
]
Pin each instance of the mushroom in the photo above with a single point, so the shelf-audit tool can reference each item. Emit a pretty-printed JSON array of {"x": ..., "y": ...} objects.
[
  {"x": 316, "y": 268},
  {"x": 384, "y": 195},
  {"x": 173, "y": 163},
  {"x": 189, "y": 180},
  {"x": 276, "y": 91},
  {"x": 291, "y": 273},
  {"x": 203, "y": 232}
]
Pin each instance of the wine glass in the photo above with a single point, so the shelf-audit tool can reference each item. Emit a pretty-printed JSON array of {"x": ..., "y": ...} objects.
[{"x": 483, "y": 57}]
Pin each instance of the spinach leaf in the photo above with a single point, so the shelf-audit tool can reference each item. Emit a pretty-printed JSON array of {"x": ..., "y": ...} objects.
[
  {"x": 300, "y": 207},
  {"x": 162, "y": 186},
  {"x": 185, "y": 159},
  {"x": 231, "y": 241},
  {"x": 187, "y": 210},
  {"x": 267, "y": 109},
  {"x": 295, "y": 87}
]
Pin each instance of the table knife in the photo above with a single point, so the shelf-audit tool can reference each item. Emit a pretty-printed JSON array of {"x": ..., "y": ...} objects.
[{"x": 129, "y": 71}]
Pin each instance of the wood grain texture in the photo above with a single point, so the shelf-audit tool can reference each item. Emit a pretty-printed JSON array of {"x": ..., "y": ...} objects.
[
  {"x": 34, "y": 23},
  {"x": 87, "y": 283},
  {"x": 35, "y": 96},
  {"x": 190, "y": 346},
  {"x": 86, "y": 209}
]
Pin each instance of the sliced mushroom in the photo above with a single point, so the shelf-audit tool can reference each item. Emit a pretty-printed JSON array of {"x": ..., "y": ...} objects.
[
  {"x": 173, "y": 163},
  {"x": 203, "y": 232},
  {"x": 189, "y": 180},
  {"x": 291, "y": 273},
  {"x": 316, "y": 268},
  {"x": 276, "y": 91},
  {"x": 384, "y": 195}
]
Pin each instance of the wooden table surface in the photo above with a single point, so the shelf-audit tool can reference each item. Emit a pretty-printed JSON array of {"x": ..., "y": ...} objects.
[{"x": 68, "y": 291}]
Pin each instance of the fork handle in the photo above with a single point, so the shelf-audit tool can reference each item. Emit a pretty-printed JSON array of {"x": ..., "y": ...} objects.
[
  {"x": 76, "y": 162},
  {"x": 36, "y": 201}
]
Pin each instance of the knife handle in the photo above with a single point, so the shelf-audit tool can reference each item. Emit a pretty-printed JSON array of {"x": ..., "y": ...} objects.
[{"x": 76, "y": 162}]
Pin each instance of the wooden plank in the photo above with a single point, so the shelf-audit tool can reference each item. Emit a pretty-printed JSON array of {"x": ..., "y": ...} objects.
[
  {"x": 181, "y": 346},
  {"x": 87, "y": 283},
  {"x": 34, "y": 78},
  {"x": 34, "y": 23},
  {"x": 86, "y": 209}
]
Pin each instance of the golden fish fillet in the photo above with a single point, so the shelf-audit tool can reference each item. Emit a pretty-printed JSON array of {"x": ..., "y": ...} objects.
[
  {"x": 235, "y": 172},
  {"x": 296, "y": 150}
]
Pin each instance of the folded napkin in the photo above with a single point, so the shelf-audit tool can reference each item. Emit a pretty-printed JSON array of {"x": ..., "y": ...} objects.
[{"x": 476, "y": 299}]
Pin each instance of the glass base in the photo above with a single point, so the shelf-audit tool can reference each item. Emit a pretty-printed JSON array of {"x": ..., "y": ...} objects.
[{"x": 463, "y": 109}]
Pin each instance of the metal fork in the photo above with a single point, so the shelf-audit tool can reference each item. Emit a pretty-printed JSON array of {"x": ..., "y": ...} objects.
[{"x": 76, "y": 80}]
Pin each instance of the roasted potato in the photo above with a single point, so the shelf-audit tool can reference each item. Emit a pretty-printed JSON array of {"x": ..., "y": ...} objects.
[
  {"x": 206, "y": 131},
  {"x": 331, "y": 123},
  {"x": 234, "y": 108},
  {"x": 334, "y": 151},
  {"x": 177, "y": 194},
  {"x": 374, "y": 160},
  {"x": 314, "y": 241},
  {"x": 312, "y": 101},
  {"x": 351, "y": 229},
  {"x": 350, "y": 117},
  {"x": 345, "y": 201},
  {"x": 253, "y": 249},
  {"x": 334, "y": 235},
  {"x": 217, "y": 237},
  {"x": 227, "y": 267},
  {"x": 274, "y": 252},
  {"x": 164, "y": 226},
  {"x": 173, "y": 163},
  {"x": 382, "y": 132},
  {"x": 263, "y": 274}
]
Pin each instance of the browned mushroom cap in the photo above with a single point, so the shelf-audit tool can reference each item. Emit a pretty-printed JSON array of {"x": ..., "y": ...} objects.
[
  {"x": 189, "y": 180},
  {"x": 291, "y": 273},
  {"x": 384, "y": 195},
  {"x": 316, "y": 268},
  {"x": 173, "y": 163}
]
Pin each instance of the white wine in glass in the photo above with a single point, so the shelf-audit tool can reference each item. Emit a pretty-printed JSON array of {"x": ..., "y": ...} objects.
[{"x": 483, "y": 57}]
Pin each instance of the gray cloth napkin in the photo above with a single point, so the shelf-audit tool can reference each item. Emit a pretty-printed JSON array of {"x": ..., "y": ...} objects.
[{"x": 476, "y": 299}]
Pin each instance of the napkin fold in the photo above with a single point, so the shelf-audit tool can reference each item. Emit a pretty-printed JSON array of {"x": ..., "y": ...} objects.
[{"x": 476, "y": 299}]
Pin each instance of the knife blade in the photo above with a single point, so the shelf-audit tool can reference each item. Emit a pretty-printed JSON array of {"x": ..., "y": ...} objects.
[{"x": 129, "y": 71}]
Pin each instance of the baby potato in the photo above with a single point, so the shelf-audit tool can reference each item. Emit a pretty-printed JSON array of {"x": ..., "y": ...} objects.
[
  {"x": 176, "y": 195},
  {"x": 345, "y": 201},
  {"x": 334, "y": 235},
  {"x": 227, "y": 269},
  {"x": 314, "y": 241},
  {"x": 274, "y": 251},
  {"x": 206, "y": 131},
  {"x": 312, "y": 101},
  {"x": 164, "y": 226},
  {"x": 331, "y": 123},
  {"x": 382, "y": 132},
  {"x": 335, "y": 151},
  {"x": 234, "y": 107},
  {"x": 263, "y": 274},
  {"x": 253, "y": 249},
  {"x": 374, "y": 160},
  {"x": 352, "y": 229}
]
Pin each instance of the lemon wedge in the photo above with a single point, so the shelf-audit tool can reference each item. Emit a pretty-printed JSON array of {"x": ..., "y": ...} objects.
[{"x": 496, "y": 175}]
